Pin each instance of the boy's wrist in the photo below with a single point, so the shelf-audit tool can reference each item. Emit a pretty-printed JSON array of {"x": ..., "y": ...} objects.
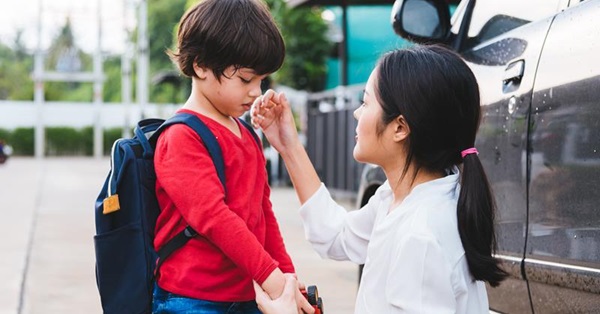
[{"x": 274, "y": 284}]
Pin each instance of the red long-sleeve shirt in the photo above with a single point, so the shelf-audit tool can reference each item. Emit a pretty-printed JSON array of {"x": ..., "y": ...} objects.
[{"x": 239, "y": 238}]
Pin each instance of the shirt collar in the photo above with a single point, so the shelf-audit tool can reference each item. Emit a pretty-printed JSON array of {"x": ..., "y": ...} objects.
[{"x": 442, "y": 186}]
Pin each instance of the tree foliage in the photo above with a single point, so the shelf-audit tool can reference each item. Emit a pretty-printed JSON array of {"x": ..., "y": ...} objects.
[
  {"x": 163, "y": 18},
  {"x": 304, "y": 68},
  {"x": 15, "y": 69},
  {"x": 307, "y": 46}
]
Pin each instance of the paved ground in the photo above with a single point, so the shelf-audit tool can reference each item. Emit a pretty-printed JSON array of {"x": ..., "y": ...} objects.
[{"x": 46, "y": 247}]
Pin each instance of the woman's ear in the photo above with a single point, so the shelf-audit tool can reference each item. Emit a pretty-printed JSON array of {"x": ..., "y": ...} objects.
[
  {"x": 201, "y": 72},
  {"x": 401, "y": 129}
]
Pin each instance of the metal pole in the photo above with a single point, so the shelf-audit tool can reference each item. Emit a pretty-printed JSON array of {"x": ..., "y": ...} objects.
[
  {"x": 38, "y": 95},
  {"x": 344, "y": 45},
  {"x": 98, "y": 136},
  {"x": 142, "y": 60}
]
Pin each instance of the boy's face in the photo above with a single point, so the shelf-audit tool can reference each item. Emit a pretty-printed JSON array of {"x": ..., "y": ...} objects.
[{"x": 234, "y": 94}]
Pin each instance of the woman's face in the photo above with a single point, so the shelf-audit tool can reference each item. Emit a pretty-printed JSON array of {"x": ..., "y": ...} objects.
[{"x": 368, "y": 146}]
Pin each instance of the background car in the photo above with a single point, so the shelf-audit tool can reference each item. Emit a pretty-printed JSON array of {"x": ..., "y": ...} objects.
[{"x": 538, "y": 67}]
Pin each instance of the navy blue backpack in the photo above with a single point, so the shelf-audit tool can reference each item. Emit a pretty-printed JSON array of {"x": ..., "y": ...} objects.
[{"x": 126, "y": 212}]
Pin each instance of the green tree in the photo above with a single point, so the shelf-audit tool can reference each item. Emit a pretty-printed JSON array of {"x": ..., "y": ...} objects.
[
  {"x": 307, "y": 46},
  {"x": 64, "y": 56},
  {"x": 112, "y": 82},
  {"x": 163, "y": 17},
  {"x": 15, "y": 69},
  {"x": 304, "y": 68},
  {"x": 19, "y": 46}
]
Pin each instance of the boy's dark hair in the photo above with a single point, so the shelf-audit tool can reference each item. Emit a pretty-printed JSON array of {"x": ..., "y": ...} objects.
[
  {"x": 438, "y": 96},
  {"x": 217, "y": 34}
]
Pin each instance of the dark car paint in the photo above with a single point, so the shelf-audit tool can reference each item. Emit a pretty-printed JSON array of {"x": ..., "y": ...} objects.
[{"x": 539, "y": 142}]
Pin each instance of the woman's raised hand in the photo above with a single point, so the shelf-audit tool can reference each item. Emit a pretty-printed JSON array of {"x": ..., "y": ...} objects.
[{"x": 271, "y": 112}]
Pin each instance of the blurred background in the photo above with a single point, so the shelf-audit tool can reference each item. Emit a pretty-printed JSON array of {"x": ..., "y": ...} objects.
[{"x": 77, "y": 75}]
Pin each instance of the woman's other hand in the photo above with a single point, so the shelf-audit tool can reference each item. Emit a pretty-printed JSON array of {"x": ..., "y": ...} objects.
[{"x": 287, "y": 303}]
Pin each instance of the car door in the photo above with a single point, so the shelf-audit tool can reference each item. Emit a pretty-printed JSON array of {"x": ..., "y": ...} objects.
[
  {"x": 563, "y": 246},
  {"x": 504, "y": 42}
]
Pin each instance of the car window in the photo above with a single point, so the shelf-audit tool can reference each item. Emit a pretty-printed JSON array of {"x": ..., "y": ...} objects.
[{"x": 492, "y": 18}]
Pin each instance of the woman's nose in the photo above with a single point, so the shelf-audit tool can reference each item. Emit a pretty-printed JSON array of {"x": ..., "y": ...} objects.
[{"x": 356, "y": 113}]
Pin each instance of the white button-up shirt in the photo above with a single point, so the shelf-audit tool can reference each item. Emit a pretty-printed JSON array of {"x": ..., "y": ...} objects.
[{"x": 414, "y": 259}]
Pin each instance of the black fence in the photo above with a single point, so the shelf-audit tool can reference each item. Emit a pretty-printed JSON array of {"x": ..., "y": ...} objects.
[{"x": 330, "y": 139}]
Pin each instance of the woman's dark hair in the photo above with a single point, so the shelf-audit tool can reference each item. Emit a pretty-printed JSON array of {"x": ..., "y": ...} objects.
[
  {"x": 217, "y": 34},
  {"x": 438, "y": 96}
]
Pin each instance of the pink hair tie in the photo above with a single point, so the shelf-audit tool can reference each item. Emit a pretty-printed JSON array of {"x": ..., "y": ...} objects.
[{"x": 468, "y": 151}]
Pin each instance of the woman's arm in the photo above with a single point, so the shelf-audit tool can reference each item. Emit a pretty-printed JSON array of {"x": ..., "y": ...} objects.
[
  {"x": 273, "y": 115},
  {"x": 333, "y": 231}
]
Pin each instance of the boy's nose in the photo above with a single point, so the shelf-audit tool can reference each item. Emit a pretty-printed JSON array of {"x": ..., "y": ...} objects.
[{"x": 255, "y": 91}]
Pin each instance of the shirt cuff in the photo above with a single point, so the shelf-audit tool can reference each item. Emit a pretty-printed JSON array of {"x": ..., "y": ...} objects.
[{"x": 262, "y": 275}]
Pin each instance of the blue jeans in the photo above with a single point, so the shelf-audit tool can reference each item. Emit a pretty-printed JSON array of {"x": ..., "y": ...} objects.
[{"x": 165, "y": 302}]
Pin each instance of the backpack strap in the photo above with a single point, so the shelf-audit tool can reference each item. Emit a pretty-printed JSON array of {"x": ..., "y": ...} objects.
[
  {"x": 173, "y": 245},
  {"x": 208, "y": 138},
  {"x": 147, "y": 126}
]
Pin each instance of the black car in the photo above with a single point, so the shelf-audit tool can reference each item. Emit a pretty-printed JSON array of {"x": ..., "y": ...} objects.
[{"x": 538, "y": 67}]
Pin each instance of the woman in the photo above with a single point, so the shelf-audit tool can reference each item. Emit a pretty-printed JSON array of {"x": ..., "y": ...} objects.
[{"x": 427, "y": 235}]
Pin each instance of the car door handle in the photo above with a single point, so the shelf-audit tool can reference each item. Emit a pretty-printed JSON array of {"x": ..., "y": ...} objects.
[
  {"x": 514, "y": 71},
  {"x": 512, "y": 76}
]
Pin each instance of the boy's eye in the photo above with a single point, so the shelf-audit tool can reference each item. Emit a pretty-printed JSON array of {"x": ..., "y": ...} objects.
[{"x": 245, "y": 81}]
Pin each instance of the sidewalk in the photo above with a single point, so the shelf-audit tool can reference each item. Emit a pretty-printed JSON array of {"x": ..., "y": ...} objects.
[{"x": 46, "y": 240}]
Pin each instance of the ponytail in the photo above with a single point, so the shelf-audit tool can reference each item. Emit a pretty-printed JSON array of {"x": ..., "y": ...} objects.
[{"x": 476, "y": 210}]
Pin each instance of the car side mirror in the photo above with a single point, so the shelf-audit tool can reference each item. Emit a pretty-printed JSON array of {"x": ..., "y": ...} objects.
[{"x": 421, "y": 20}]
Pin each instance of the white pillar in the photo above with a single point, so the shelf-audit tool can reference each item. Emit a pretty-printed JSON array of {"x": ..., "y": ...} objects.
[
  {"x": 126, "y": 70},
  {"x": 38, "y": 96},
  {"x": 98, "y": 78}
]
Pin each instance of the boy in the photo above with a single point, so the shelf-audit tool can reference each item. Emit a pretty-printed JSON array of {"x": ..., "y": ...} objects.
[{"x": 227, "y": 47}]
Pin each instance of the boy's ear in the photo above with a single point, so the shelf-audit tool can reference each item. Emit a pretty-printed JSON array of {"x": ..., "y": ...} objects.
[
  {"x": 401, "y": 129},
  {"x": 201, "y": 71}
]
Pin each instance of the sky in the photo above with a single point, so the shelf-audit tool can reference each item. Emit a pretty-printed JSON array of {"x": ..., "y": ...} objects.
[{"x": 24, "y": 14}]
